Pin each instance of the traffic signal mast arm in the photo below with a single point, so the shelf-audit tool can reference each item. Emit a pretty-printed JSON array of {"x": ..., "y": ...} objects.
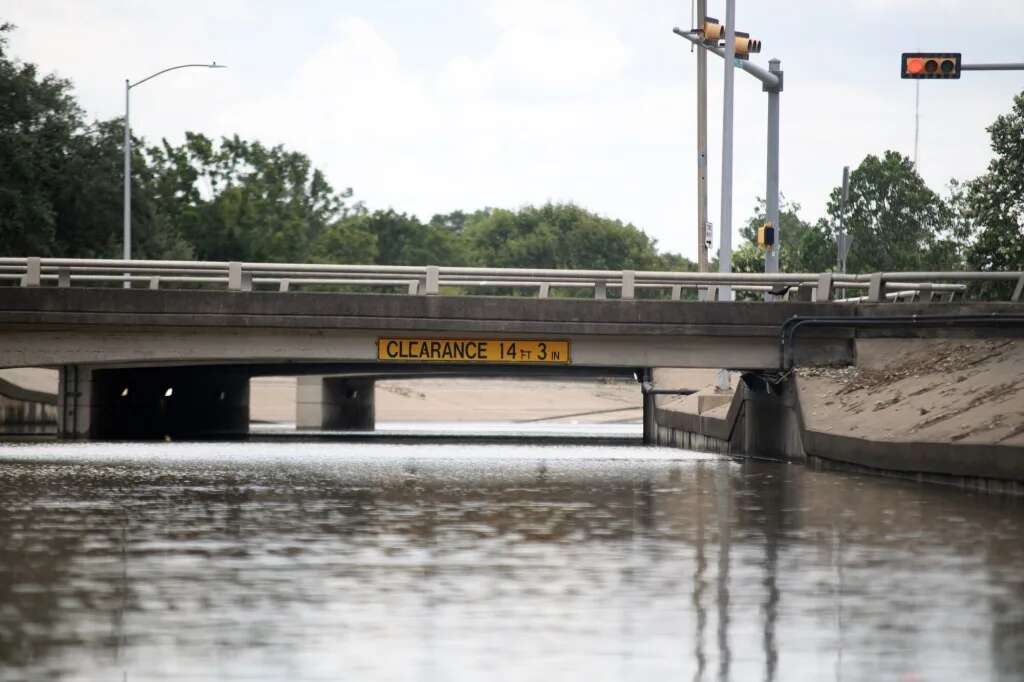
[
  {"x": 944, "y": 65},
  {"x": 1006, "y": 66},
  {"x": 772, "y": 82}
]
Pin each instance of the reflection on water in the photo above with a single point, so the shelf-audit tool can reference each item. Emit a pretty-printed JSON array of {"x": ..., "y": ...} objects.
[{"x": 326, "y": 561}]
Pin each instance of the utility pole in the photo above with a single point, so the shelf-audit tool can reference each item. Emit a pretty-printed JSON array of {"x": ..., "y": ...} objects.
[
  {"x": 917, "y": 117},
  {"x": 702, "y": 148},
  {"x": 842, "y": 241}
]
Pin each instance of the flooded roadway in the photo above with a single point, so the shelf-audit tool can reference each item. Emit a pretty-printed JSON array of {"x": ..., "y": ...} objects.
[{"x": 426, "y": 561}]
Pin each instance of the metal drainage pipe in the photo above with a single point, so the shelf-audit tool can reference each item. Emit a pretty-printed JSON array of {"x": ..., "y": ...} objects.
[{"x": 789, "y": 329}]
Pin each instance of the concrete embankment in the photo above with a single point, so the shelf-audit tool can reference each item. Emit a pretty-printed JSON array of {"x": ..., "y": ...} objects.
[{"x": 951, "y": 411}]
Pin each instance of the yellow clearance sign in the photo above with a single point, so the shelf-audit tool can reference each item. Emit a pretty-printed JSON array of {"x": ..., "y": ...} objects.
[{"x": 531, "y": 351}]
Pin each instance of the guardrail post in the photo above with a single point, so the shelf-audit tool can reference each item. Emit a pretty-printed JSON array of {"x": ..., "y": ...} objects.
[
  {"x": 283, "y": 286},
  {"x": 628, "y": 285},
  {"x": 238, "y": 280},
  {"x": 600, "y": 290},
  {"x": 1018, "y": 293},
  {"x": 433, "y": 283},
  {"x": 544, "y": 290},
  {"x": 876, "y": 291},
  {"x": 804, "y": 292},
  {"x": 154, "y": 283},
  {"x": 677, "y": 292},
  {"x": 414, "y": 287},
  {"x": 64, "y": 278},
  {"x": 823, "y": 292},
  {"x": 924, "y": 292},
  {"x": 235, "y": 276},
  {"x": 33, "y": 273}
]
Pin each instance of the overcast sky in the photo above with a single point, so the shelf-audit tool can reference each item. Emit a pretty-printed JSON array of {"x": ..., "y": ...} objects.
[{"x": 428, "y": 107}]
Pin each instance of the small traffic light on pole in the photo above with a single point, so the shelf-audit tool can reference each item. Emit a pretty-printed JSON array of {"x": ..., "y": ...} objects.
[{"x": 930, "y": 65}]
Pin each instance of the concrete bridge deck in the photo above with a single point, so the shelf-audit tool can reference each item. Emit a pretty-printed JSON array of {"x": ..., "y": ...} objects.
[
  {"x": 53, "y": 327},
  {"x": 114, "y": 343}
]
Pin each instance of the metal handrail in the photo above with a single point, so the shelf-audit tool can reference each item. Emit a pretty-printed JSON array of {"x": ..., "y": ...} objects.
[{"x": 423, "y": 279}]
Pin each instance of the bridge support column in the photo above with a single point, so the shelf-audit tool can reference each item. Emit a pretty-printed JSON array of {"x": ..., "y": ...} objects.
[
  {"x": 335, "y": 403},
  {"x": 146, "y": 403},
  {"x": 650, "y": 426},
  {"x": 74, "y": 401}
]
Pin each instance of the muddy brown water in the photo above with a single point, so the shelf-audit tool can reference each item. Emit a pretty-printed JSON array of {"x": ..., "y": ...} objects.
[{"x": 507, "y": 561}]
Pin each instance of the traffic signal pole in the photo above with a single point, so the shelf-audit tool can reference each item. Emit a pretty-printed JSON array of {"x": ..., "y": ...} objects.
[
  {"x": 771, "y": 255},
  {"x": 771, "y": 80}
]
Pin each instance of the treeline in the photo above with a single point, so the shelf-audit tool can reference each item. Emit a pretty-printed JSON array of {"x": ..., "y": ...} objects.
[{"x": 234, "y": 199}]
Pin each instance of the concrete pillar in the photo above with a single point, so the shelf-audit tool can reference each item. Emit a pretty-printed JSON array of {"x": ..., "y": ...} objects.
[
  {"x": 153, "y": 402},
  {"x": 650, "y": 426},
  {"x": 335, "y": 403},
  {"x": 74, "y": 401}
]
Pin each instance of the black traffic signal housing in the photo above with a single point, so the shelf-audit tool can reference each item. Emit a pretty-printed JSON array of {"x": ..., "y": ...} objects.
[
  {"x": 930, "y": 65},
  {"x": 766, "y": 236}
]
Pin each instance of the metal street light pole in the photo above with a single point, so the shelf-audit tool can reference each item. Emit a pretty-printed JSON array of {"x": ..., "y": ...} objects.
[
  {"x": 128, "y": 85},
  {"x": 725, "y": 239}
]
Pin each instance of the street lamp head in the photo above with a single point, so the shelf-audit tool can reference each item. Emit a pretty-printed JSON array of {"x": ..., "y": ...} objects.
[{"x": 215, "y": 65}]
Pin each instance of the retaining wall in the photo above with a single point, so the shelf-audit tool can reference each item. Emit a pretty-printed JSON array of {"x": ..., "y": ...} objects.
[{"x": 766, "y": 420}]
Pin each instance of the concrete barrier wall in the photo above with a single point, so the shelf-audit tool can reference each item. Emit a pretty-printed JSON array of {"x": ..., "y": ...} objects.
[{"x": 766, "y": 420}]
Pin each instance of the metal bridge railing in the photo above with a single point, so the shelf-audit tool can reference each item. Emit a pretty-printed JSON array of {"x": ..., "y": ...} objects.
[{"x": 435, "y": 280}]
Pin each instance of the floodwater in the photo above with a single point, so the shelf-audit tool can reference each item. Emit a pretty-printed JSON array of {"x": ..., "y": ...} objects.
[{"x": 296, "y": 560}]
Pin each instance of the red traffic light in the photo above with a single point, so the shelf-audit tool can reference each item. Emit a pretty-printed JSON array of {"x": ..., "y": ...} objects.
[{"x": 930, "y": 65}]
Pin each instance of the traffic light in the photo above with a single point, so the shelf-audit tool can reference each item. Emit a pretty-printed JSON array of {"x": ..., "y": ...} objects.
[
  {"x": 714, "y": 34},
  {"x": 713, "y": 31},
  {"x": 930, "y": 65},
  {"x": 745, "y": 45},
  {"x": 766, "y": 236}
]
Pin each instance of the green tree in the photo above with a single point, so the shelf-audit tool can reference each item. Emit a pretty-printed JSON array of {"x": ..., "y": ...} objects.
[
  {"x": 264, "y": 203},
  {"x": 896, "y": 221},
  {"x": 992, "y": 206},
  {"x": 561, "y": 236},
  {"x": 61, "y": 181},
  {"x": 403, "y": 239},
  {"x": 39, "y": 120}
]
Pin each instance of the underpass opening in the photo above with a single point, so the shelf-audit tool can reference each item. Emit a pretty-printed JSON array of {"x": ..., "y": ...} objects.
[{"x": 469, "y": 401}]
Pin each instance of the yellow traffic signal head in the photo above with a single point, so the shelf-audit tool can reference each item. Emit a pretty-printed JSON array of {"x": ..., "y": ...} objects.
[
  {"x": 745, "y": 45},
  {"x": 766, "y": 236},
  {"x": 713, "y": 31},
  {"x": 930, "y": 65}
]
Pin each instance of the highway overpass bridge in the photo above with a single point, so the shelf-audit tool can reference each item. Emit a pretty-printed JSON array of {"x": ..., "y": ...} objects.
[{"x": 148, "y": 361}]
